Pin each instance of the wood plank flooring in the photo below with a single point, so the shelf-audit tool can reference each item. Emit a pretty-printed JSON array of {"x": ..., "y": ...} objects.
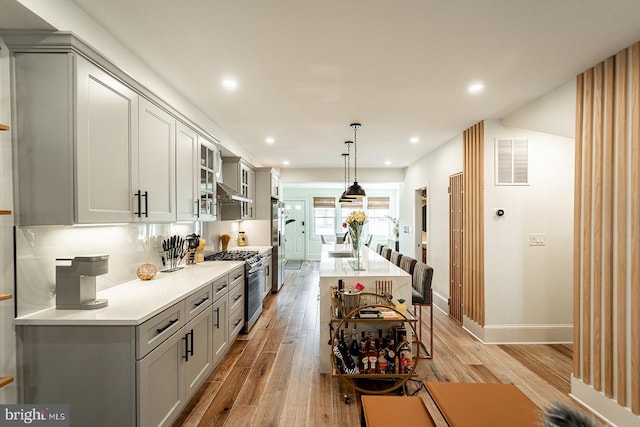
[{"x": 270, "y": 377}]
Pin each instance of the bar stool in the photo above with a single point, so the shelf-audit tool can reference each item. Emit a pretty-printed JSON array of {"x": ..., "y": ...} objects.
[
  {"x": 422, "y": 295},
  {"x": 395, "y": 258},
  {"x": 408, "y": 264},
  {"x": 379, "y": 248},
  {"x": 386, "y": 252}
]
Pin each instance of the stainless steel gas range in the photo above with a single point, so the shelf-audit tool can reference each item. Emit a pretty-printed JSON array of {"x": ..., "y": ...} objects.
[{"x": 253, "y": 282}]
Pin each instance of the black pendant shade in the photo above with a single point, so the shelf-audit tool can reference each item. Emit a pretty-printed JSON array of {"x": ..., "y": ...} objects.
[{"x": 355, "y": 191}]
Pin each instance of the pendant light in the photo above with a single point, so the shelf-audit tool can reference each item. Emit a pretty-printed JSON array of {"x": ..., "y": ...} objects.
[
  {"x": 346, "y": 156},
  {"x": 355, "y": 191}
]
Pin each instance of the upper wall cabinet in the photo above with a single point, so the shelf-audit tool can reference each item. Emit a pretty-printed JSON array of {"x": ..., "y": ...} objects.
[
  {"x": 207, "y": 169},
  {"x": 240, "y": 176},
  {"x": 156, "y": 166},
  {"x": 89, "y": 149},
  {"x": 196, "y": 158},
  {"x": 77, "y": 141},
  {"x": 267, "y": 189}
]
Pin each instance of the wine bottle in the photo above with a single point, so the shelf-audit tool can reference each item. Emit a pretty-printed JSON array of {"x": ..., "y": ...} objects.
[
  {"x": 355, "y": 347},
  {"x": 363, "y": 355},
  {"x": 373, "y": 358}
]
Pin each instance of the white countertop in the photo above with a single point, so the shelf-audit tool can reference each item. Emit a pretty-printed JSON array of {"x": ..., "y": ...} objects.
[
  {"x": 134, "y": 302},
  {"x": 374, "y": 264}
]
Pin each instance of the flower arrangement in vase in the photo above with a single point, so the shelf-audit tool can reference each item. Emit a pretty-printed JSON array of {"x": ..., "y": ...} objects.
[{"x": 354, "y": 223}]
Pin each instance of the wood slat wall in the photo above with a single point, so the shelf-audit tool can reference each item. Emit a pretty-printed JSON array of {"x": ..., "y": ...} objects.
[
  {"x": 606, "y": 220},
  {"x": 455, "y": 246},
  {"x": 473, "y": 223}
]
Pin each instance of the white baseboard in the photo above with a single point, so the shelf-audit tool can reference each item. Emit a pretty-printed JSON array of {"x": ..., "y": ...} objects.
[
  {"x": 605, "y": 408},
  {"x": 441, "y": 302},
  {"x": 519, "y": 334}
]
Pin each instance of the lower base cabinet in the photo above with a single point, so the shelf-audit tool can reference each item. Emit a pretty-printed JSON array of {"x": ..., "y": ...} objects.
[
  {"x": 132, "y": 375},
  {"x": 220, "y": 328},
  {"x": 173, "y": 371}
]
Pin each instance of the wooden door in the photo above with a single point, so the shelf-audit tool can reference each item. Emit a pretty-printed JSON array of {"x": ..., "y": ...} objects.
[{"x": 455, "y": 246}]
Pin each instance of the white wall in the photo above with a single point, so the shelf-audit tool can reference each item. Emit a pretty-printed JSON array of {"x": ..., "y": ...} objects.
[
  {"x": 432, "y": 172},
  {"x": 366, "y": 175},
  {"x": 528, "y": 289}
]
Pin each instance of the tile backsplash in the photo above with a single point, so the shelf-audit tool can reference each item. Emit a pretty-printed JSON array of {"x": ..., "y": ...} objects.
[{"x": 128, "y": 246}]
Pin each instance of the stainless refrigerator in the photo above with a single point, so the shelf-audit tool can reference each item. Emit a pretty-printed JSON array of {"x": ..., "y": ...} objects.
[{"x": 277, "y": 242}]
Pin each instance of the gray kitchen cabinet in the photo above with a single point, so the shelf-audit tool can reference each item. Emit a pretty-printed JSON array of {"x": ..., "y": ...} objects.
[
  {"x": 187, "y": 155},
  {"x": 240, "y": 176},
  {"x": 173, "y": 371},
  {"x": 220, "y": 328},
  {"x": 208, "y": 167},
  {"x": 77, "y": 133},
  {"x": 156, "y": 164},
  {"x": 196, "y": 158},
  {"x": 90, "y": 149},
  {"x": 267, "y": 275},
  {"x": 124, "y": 375},
  {"x": 161, "y": 383},
  {"x": 199, "y": 362},
  {"x": 267, "y": 188}
]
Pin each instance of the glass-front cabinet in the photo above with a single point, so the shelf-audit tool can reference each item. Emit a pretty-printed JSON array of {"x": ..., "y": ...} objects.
[{"x": 207, "y": 207}]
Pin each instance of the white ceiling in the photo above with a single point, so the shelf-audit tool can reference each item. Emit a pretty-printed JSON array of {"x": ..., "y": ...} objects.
[{"x": 401, "y": 68}]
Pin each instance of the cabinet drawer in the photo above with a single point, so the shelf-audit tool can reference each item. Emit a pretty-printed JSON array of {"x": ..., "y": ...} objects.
[
  {"x": 236, "y": 297},
  {"x": 156, "y": 330},
  {"x": 236, "y": 322},
  {"x": 236, "y": 276},
  {"x": 199, "y": 301},
  {"x": 220, "y": 287}
]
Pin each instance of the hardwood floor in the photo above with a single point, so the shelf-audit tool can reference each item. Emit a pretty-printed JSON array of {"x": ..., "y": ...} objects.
[{"x": 270, "y": 376}]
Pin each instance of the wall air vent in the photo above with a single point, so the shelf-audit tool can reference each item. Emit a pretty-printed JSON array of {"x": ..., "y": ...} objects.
[{"x": 512, "y": 161}]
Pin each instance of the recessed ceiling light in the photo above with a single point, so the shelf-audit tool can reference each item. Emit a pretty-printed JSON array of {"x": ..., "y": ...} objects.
[
  {"x": 388, "y": 162},
  {"x": 414, "y": 140},
  {"x": 229, "y": 84},
  {"x": 286, "y": 162},
  {"x": 475, "y": 88},
  {"x": 269, "y": 140}
]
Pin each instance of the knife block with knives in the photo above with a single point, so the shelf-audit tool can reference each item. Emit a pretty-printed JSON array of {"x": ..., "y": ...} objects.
[{"x": 173, "y": 252}]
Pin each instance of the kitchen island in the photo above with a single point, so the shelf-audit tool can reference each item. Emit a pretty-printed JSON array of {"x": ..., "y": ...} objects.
[{"x": 335, "y": 266}]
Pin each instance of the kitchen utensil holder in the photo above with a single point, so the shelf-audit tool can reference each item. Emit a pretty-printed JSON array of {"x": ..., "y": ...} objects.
[{"x": 170, "y": 262}]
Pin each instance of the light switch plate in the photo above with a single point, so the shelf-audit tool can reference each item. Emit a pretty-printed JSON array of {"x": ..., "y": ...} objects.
[{"x": 536, "y": 240}]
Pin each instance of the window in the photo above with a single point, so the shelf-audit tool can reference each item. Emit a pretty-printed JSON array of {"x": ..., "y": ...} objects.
[
  {"x": 324, "y": 216},
  {"x": 379, "y": 224}
]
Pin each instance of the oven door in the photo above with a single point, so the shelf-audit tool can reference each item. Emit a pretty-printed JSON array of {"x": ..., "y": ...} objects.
[{"x": 254, "y": 284}]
